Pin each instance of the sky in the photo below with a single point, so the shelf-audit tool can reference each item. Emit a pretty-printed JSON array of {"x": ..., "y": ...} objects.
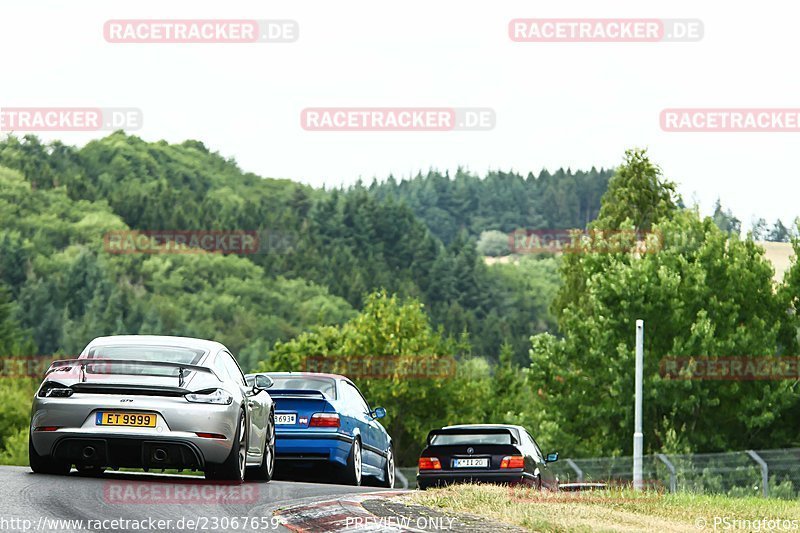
[{"x": 556, "y": 104}]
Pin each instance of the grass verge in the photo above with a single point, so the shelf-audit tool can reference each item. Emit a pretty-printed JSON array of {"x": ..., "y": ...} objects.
[{"x": 613, "y": 510}]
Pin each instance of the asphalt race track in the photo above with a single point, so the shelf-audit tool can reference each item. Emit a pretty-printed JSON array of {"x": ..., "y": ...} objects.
[{"x": 36, "y": 502}]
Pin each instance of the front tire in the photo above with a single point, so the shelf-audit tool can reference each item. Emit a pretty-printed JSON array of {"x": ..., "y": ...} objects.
[
  {"x": 45, "y": 465},
  {"x": 352, "y": 472},
  {"x": 267, "y": 468},
  {"x": 233, "y": 469}
]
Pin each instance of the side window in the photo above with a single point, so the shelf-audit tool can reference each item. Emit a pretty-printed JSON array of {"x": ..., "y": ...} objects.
[
  {"x": 535, "y": 448},
  {"x": 354, "y": 398},
  {"x": 219, "y": 367},
  {"x": 231, "y": 368},
  {"x": 524, "y": 443}
]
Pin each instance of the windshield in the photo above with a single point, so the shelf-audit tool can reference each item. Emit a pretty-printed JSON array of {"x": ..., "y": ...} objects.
[{"x": 324, "y": 385}]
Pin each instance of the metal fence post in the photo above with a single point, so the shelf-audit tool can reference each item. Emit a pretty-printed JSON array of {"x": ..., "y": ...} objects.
[
  {"x": 764, "y": 471},
  {"x": 578, "y": 471},
  {"x": 638, "y": 436},
  {"x": 673, "y": 482}
]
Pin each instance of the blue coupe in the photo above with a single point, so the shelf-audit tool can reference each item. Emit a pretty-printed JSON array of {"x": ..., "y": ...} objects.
[{"x": 325, "y": 418}]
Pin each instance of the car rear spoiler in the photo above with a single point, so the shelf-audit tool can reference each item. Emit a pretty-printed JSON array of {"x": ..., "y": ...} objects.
[
  {"x": 298, "y": 393},
  {"x": 65, "y": 365},
  {"x": 472, "y": 431}
]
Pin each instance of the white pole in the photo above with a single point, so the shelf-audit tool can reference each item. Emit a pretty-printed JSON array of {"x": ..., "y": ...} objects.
[{"x": 638, "y": 437}]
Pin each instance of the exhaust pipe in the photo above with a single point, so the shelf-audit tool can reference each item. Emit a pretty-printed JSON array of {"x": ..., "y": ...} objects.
[
  {"x": 159, "y": 455},
  {"x": 88, "y": 452}
]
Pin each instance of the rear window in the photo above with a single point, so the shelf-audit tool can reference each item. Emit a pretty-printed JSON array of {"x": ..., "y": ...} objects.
[
  {"x": 451, "y": 439},
  {"x": 324, "y": 385},
  {"x": 167, "y": 354}
]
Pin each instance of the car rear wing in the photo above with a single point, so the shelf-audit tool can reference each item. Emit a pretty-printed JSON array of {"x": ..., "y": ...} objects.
[
  {"x": 298, "y": 393},
  {"x": 472, "y": 431},
  {"x": 66, "y": 365}
]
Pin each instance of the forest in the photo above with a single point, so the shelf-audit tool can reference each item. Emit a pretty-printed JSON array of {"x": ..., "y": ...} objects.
[{"x": 397, "y": 267}]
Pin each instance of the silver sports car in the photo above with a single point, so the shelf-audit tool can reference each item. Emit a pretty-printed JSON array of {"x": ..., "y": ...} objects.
[{"x": 154, "y": 403}]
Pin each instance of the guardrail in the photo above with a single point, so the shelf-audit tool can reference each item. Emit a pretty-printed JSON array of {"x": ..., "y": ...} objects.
[{"x": 768, "y": 473}]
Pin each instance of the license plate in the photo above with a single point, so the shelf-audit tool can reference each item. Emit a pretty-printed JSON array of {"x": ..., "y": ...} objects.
[
  {"x": 470, "y": 463},
  {"x": 137, "y": 420},
  {"x": 285, "y": 420}
]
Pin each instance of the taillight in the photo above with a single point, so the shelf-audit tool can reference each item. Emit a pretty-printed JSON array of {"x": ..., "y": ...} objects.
[
  {"x": 324, "y": 420},
  {"x": 52, "y": 389},
  {"x": 512, "y": 461},
  {"x": 45, "y": 428},
  {"x": 429, "y": 463}
]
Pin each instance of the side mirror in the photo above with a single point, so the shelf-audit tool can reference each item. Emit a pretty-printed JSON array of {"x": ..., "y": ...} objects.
[
  {"x": 261, "y": 382},
  {"x": 379, "y": 412},
  {"x": 551, "y": 457}
]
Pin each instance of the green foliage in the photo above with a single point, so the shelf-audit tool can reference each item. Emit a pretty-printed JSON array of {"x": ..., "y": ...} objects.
[
  {"x": 398, "y": 269},
  {"x": 502, "y": 201},
  {"x": 58, "y": 202},
  {"x": 69, "y": 290},
  {"x": 493, "y": 243},
  {"x": 636, "y": 193},
  {"x": 15, "y": 397},
  {"x": 725, "y": 220},
  {"x": 15, "y": 448},
  {"x": 780, "y": 233},
  {"x": 705, "y": 293}
]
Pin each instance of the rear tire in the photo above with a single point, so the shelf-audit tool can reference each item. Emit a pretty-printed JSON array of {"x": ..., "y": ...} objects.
[
  {"x": 233, "y": 469},
  {"x": 267, "y": 468},
  {"x": 351, "y": 475},
  {"x": 43, "y": 464}
]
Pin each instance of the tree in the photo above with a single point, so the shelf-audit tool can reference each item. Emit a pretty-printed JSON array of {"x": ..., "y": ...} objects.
[
  {"x": 637, "y": 193},
  {"x": 778, "y": 233},
  {"x": 725, "y": 220},
  {"x": 493, "y": 243},
  {"x": 13, "y": 340},
  {"x": 704, "y": 293},
  {"x": 759, "y": 230}
]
